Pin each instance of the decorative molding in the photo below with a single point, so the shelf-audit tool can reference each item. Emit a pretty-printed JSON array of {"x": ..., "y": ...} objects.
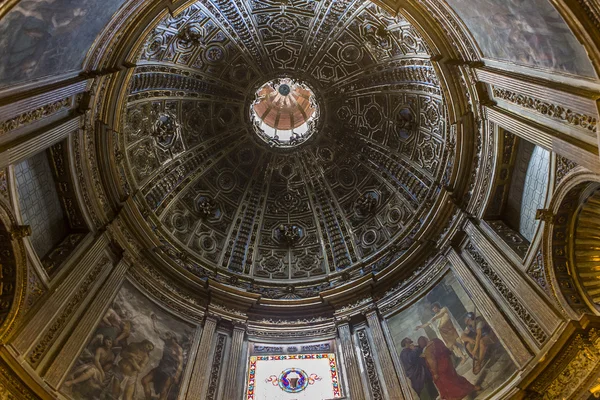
[
  {"x": 554, "y": 111},
  {"x": 513, "y": 301},
  {"x": 200, "y": 373},
  {"x": 173, "y": 300},
  {"x": 35, "y": 355},
  {"x": 353, "y": 376},
  {"x": 312, "y": 331},
  {"x": 537, "y": 272},
  {"x": 32, "y": 116},
  {"x": 12, "y": 387},
  {"x": 301, "y": 321},
  {"x": 409, "y": 288},
  {"x": 215, "y": 370},
  {"x": 370, "y": 366},
  {"x": 572, "y": 371},
  {"x": 563, "y": 167}
]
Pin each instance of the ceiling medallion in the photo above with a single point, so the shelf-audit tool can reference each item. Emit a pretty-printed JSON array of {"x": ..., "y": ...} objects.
[{"x": 284, "y": 113}]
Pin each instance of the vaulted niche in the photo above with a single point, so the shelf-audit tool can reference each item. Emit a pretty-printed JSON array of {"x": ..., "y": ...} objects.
[
  {"x": 48, "y": 204},
  {"x": 520, "y": 189}
]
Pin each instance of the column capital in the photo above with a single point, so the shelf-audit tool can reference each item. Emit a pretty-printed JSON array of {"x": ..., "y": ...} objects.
[
  {"x": 239, "y": 326},
  {"x": 20, "y": 231}
]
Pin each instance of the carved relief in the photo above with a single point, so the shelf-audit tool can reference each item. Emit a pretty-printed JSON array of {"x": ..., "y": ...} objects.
[
  {"x": 215, "y": 369},
  {"x": 32, "y": 116},
  {"x": 571, "y": 371},
  {"x": 58, "y": 324},
  {"x": 370, "y": 365},
  {"x": 12, "y": 387},
  {"x": 524, "y": 314},
  {"x": 563, "y": 167},
  {"x": 555, "y": 111}
]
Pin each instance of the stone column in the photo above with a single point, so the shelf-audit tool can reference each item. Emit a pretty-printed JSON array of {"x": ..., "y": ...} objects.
[
  {"x": 231, "y": 391},
  {"x": 350, "y": 362},
  {"x": 383, "y": 353},
  {"x": 201, "y": 369}
]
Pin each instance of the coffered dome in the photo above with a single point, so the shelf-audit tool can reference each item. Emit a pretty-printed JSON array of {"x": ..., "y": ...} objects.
[{"x": 347, "y": 202}]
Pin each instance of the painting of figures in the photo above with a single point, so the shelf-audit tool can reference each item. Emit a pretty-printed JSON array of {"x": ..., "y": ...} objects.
[
  {"x": 137, "y": 352},
  {"x": 42, "y": 38},
  {"x": 530, "y": 33},
  {"x": 446, "y": 348}
]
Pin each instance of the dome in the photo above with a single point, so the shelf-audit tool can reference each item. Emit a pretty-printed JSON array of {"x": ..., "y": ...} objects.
[
  {"x": 308, "y": 199},
  {"x": 283, "y": 209}
]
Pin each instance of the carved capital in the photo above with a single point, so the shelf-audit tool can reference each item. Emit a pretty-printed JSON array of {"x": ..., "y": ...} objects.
[
  {"x": 545, "y": 215},
  {"x": 20, "y": 231}
]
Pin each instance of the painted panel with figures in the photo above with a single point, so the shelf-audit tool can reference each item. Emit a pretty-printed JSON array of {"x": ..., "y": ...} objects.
[
  {"x": 42, "y": 38},
  {"x": 138, "y": 351},
  {"x": 447, "y": 349},
  {"x": 530, "y": 33}
]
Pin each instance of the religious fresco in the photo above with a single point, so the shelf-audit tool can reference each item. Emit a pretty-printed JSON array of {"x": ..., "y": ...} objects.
[
  {"x": 446, "y": 348},
  {"x": 41, "y": 38},
  {"x": 530, "y": 33},
  {"x": 293, "y": 377},
  {"x": 138, "y": 351}
]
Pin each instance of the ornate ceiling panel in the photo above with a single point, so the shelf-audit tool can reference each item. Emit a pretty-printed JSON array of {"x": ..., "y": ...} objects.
[{"x": 233, "y": 204}]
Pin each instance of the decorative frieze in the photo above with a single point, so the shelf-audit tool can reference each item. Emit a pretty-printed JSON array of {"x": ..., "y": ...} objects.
[
  {"x": 572, "y": 371},
  {"x": 533, "y": 327},
  {"x": 512, "y": 238},
  {"x": 32, "y": 116},
  {"x": 370, "y": 366},
  {"x": 315, "y": 331},
  {"x": 213, "y": 379},
  {"x": 554, "y": 111},
  {"x": 59, "y": 323}
]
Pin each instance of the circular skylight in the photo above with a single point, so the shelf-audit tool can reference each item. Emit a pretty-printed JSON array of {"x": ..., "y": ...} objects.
[{"x": 284, "y": 113}]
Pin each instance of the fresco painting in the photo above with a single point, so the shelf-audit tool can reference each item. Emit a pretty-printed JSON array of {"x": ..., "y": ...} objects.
[
  {"x": 526, "y": 32},
  {"x": 447, "y": 349},
  {"x": 41, "y": 38},
  {"x": 138, "y": 351}
]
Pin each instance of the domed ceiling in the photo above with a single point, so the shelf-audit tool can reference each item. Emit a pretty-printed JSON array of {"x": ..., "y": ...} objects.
[{"x": 348, "y": 201}]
